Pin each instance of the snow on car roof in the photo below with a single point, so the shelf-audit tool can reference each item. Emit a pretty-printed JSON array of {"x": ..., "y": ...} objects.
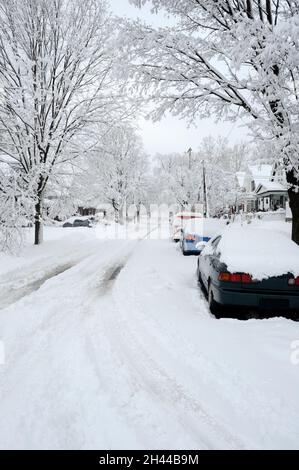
[
  {"x": 259, "y": 252},
  {"x": 207, "y": 227}
]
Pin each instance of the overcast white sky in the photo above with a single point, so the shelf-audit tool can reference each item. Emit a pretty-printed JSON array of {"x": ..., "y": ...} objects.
[{"x": 172, "y": 134}]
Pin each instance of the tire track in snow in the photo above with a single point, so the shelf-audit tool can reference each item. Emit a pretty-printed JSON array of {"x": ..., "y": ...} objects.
[
  {"x": 201, "y": 426},
  {"x": 144, "y": 375},
  {"x": 155, "y": 333},
  {"x": 110, "y": 276},
  {"x": 20, "y": 283},
  {"x": 14, "y": 291},
  {"x": 112, "y": 272},
  {"x": 23, "y": 281}
]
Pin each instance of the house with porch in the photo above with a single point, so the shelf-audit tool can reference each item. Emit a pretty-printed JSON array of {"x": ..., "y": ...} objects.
[
  {"x": 248, "y": 181},
  {"x": 271, "y": 196},
  {"x": 261, "y": 187}
]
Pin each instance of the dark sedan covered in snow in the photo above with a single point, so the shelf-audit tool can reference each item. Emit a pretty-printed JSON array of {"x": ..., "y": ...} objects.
[{"x": 250, "y": 267}]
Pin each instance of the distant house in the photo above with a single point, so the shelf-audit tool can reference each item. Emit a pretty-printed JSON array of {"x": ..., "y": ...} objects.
[
  {"x": 262, "y": 188},
  {"x": 92, "y": 210},
  {"x": 86, "y": 211},
  {"x": 260, "y": 174},
  {"x": 271, "y": 196},
  {"x": 248, "y": 181}
]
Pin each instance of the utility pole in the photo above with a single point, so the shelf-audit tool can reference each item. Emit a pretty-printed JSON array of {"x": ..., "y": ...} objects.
[
  {"x": 204, "y": 184},
  {"x": 190, "y": 156}
]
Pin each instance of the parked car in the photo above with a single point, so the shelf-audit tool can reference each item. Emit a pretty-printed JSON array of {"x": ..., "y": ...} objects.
[
  {"x": 178, "y": 223},
  {"x": 197, "y": 232},
  {"x": 82, "y": 223},
  {"x": 78, "y": 222},
  {"x": 67, "y": 225},
  {"x": 253, "y": 268}
]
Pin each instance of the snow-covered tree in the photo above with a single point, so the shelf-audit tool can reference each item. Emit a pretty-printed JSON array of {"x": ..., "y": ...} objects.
[
  {"x": 115, "y": 171},
  {"x": 181, "y": 179},
  {"x": 56, "y": 60},
  {"x": 17, "y": 200},
  {"x": 221, "y": 162},
  {"x": 61, "y": 199},
  {"x": 228, "y": 59}
]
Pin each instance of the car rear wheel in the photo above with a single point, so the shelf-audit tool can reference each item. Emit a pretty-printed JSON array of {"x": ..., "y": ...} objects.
[{"x": 215, "y": 308}]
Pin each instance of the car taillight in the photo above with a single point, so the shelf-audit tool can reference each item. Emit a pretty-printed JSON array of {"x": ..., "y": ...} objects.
[
  {"x": 225, "y": 277},
  {"x": 235, "y": 278},
  {"x": 246, "y": 278},
  {"x": 294, "y": 281},
  {"x": 191, "y": 238},
  {"x": 240, "y": 277}
]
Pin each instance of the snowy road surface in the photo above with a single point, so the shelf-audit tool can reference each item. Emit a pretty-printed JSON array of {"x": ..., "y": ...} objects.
[{"x": 118, "y": 350}]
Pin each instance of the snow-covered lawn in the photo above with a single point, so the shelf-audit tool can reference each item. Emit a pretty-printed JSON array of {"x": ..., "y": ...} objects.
[{"x": 119, "y": 350}]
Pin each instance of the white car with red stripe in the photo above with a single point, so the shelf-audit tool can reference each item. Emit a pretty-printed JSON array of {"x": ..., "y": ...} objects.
[{"x": 179, "y": 222}]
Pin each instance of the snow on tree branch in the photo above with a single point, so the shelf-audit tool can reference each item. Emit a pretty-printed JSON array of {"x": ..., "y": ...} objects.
[
  {"x": 227, "y": 59},
  {"x": 56, "y": 80}
]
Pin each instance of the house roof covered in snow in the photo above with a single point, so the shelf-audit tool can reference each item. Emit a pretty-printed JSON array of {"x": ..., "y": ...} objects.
[
  {"x": 260, "y": 173},
  {"x": 270, "y": 186}
]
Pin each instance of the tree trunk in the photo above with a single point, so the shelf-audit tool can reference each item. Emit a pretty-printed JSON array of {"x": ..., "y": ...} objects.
[
  {"x": 38, "y": 224},
  {"x": 121, "y": 216},
  {"x": 116, "y": 215},
  {"x": 138, "y": 213},
  {"x": 294, "y": 205}
]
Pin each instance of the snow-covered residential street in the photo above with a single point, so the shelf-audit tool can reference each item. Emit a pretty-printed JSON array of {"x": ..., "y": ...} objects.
[
  {"x": 149, "y": 228},
  {"x": 110, "y": 344}
]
